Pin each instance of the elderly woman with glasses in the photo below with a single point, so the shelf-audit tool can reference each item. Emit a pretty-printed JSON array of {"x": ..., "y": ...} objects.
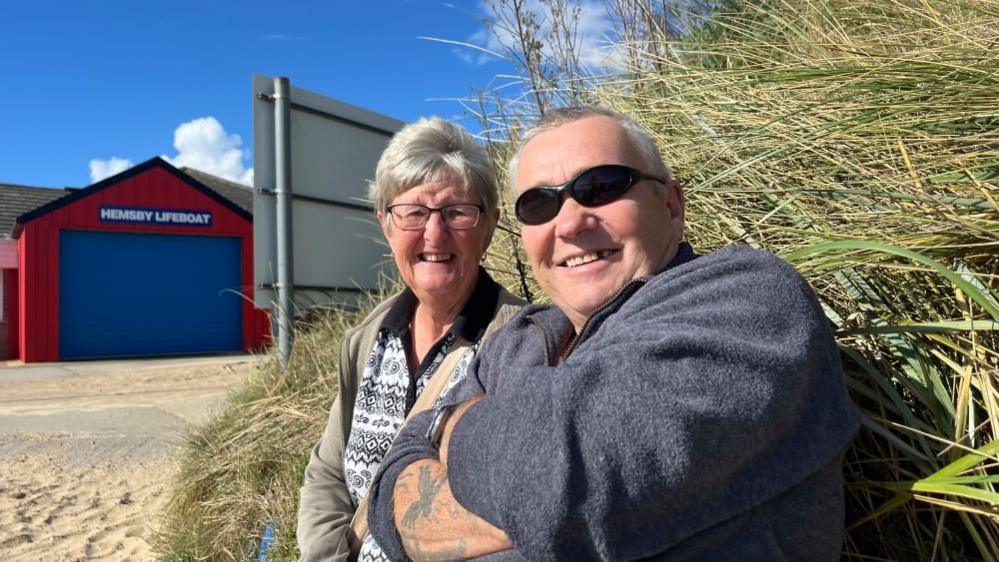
[{"x": 436, "y": 199}]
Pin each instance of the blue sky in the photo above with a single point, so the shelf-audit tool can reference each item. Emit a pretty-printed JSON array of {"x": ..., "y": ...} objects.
[{"x": 90, "y": 81}]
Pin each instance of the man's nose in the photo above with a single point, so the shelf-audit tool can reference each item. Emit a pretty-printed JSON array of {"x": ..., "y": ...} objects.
[{"x": 573, "y": 219}]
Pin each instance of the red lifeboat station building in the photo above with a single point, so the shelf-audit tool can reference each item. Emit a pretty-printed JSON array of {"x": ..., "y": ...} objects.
[{"x": 149, "y": 262}]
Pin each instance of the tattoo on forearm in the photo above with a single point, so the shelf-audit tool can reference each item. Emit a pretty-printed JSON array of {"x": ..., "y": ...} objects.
[
  {"x": 427, "y": 488},
  {"x": 414, "y": 549},
  {"x": 437, "y": 530}
]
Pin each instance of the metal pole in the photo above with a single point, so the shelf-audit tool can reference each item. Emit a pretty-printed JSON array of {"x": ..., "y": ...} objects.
[{"x": 285, "y": 264}]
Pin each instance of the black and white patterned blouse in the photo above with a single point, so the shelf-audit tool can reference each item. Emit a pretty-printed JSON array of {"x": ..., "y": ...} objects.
[{"x": 388, "y": 390}]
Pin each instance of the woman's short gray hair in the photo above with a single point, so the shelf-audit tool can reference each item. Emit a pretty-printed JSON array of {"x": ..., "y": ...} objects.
[
  {"x": 640, "y": 138},
  {"x": 433, "y": 150}
]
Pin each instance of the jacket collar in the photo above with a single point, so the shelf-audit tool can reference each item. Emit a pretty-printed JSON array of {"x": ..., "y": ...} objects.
[
  {"x": 471, "y": 322},
  {"x": 684, "y": 254},
  {"x": 559, "y": 331}
]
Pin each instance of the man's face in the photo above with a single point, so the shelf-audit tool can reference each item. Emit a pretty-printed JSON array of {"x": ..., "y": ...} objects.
[{"x": 607, "y": 246}]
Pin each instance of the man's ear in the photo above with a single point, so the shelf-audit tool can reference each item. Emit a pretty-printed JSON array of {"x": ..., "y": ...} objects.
[
  {"x": 675, "y": 196},
  {"x": 676, "y": 204}
]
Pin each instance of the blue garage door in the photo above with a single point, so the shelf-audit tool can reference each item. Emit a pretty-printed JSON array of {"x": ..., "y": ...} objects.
[{"x": 148, "y": 294}]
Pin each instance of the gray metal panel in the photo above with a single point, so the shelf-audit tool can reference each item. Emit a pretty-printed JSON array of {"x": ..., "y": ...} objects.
[
  {"x": 264, "y": 206},
  {"x": 355, "y": 237},
  {"x": 341, "y": 157},
  {"x": 335, "y": 148}
]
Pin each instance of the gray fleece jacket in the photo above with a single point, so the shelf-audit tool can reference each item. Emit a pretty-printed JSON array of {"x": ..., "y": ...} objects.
[{"x": 699, "y": 415}]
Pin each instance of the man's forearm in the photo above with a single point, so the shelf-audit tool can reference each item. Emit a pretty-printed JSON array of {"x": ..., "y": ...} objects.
[{"x": 432, "y": 524}]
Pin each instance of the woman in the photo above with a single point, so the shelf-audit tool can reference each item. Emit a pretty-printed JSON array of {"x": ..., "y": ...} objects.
[{"x": 436, "y": 199}]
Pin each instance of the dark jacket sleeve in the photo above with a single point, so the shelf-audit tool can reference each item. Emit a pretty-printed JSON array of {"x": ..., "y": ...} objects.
[
  {"x": 410, "y": 445},
  {"x": 716, "y": 387}
]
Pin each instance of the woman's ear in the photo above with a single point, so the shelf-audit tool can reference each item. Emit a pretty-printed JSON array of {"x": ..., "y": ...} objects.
[
  {"x": 489, "y": 233},
  {"x": 385, "y": 220}
]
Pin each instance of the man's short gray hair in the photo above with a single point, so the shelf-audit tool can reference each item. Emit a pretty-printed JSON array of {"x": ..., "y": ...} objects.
[
  {"x": 637, "y": 135},
  {"x": 433, "y": 150}
]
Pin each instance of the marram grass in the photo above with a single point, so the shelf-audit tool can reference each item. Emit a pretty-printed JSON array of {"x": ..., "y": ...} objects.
[{"x": 857, "y": 140}]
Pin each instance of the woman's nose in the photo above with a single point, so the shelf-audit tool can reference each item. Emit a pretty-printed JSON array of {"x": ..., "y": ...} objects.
[{"x": 435, "y": 226}]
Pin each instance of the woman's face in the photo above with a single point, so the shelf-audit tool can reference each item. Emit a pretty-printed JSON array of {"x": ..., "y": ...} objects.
[{"x": 436, "y": 262}]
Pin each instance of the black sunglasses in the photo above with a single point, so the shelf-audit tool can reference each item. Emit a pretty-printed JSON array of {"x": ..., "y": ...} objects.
[{"x": 592, "y": 188}]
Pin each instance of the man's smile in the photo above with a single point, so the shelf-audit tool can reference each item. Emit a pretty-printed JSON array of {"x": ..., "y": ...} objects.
[{"x": 583, "y": 259}]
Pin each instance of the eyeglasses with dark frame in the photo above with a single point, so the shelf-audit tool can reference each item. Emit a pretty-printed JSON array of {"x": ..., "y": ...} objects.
[
  {"x": 597, "y": 186},
  {"x": 460, "y": 216}
]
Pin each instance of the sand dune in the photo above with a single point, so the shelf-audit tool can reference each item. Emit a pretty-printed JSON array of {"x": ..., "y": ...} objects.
[
  {"x": 49, "y": 511},
  {"x": 87, "y": 455}
]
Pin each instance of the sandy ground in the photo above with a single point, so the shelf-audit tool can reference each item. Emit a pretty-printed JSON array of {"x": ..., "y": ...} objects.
[{"x": 87, "y": 451}]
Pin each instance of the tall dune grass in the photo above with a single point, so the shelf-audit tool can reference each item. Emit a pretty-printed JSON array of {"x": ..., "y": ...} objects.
[{"x": 858, "y": 140}]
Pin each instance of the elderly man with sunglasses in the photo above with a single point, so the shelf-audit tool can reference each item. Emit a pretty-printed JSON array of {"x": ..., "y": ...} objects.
[{"x": 668, "y": 406}]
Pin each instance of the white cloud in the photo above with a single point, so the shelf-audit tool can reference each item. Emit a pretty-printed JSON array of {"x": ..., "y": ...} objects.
[
  {"x": 101, "y": 169},
  {"x": 203, "y": 144},
  {"x": 594, "y": 40},
  {"x": 597, "y": 38},
  {"x": 482, "y": 38}
]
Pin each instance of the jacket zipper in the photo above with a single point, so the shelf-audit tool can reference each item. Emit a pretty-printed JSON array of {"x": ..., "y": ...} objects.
[
  {"x": 545, "y": 338},
  {"x": 621, "y": 295}
]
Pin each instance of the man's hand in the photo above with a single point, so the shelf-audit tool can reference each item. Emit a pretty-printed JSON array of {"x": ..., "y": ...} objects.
[{"x": 432, "y": 524}]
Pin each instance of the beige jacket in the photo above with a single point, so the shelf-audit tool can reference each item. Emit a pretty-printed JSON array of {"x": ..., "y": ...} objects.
[{"x": 325, "y": 508}]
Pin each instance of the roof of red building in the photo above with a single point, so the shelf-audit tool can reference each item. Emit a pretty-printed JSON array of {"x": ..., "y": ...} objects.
[{"x": 20, "y": 203}]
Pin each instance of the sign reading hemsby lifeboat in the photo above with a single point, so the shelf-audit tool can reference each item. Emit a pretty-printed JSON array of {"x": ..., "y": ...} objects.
[{"x": 135, "y": 215}]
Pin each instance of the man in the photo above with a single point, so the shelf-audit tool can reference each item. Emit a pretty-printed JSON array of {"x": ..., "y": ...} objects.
[{"x": 667, "y": 406}]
